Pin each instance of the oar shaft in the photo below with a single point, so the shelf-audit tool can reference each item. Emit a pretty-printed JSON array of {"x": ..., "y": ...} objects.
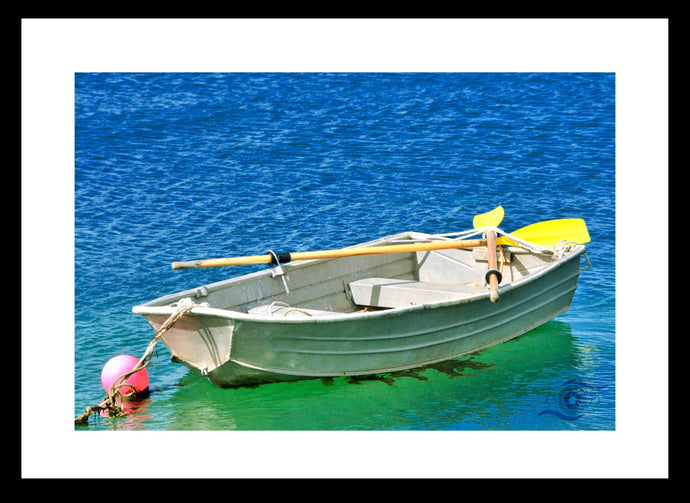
[
  {"x": 492, "y": 273},
  {"x": 323, "y": 254}
]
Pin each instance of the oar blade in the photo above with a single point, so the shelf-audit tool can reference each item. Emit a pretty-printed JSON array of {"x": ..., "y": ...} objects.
[
  {"x": 551, "y": 232},
  {"x": 489, "y": 219}
]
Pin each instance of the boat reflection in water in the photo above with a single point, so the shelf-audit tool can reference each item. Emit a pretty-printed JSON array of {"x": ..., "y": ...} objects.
[{"x": 503, "y": 387}]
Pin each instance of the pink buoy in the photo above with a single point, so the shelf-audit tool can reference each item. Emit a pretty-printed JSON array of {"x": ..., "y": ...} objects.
[{"x": 120, "y": 365}]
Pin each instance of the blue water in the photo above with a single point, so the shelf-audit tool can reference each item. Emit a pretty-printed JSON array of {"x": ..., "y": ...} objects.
[{"x": 183, "y": 166}]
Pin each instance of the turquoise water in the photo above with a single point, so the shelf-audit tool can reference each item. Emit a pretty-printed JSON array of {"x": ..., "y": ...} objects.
[{"x": 185, "y": 166}]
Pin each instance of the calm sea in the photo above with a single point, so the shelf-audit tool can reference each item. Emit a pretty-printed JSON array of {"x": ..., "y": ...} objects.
[{"x": 183, "y": 166}]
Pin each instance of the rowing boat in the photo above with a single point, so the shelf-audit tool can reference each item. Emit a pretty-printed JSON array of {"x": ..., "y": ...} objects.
[{"x": 394, "y": 303}]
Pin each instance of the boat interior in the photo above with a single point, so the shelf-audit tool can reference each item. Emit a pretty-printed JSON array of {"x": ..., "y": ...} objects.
[{"x": 354, "y": 284}]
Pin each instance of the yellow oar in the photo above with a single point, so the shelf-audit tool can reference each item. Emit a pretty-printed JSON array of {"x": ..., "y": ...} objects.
[
  {"x": 550, "y": 232},
  {"x": 493, "y": 275}
]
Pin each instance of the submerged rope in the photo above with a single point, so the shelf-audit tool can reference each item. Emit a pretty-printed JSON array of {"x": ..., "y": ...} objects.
[{"x": 109, "y": 403}]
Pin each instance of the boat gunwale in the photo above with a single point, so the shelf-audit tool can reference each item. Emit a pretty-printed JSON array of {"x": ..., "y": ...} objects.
[{"x": 168, "y": 310}]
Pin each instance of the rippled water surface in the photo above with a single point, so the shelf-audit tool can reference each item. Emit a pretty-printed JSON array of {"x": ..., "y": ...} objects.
[{"x": 185, "y": 166}]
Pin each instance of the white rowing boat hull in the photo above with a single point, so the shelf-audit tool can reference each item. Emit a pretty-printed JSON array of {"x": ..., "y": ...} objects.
[{"x": 362, "y": 315}]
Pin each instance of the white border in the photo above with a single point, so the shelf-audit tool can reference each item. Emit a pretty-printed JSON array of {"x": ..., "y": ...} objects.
[{"x": 54, "y": 49}]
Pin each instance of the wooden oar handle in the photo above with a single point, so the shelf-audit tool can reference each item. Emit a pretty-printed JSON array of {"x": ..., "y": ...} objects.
[{"x": 221, "y": 262}]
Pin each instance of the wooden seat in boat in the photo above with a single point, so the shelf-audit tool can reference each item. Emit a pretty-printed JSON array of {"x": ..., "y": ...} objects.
[{"x": 391, "y": 293}]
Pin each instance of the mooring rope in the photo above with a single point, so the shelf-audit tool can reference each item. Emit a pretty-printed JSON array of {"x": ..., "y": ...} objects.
[{"x": 109, "y": 403}]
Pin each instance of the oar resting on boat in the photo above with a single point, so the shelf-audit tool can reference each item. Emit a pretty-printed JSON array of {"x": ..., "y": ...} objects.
[
  {"x": 548, "y": 233},
  {"x": 283, "y": 258}
]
